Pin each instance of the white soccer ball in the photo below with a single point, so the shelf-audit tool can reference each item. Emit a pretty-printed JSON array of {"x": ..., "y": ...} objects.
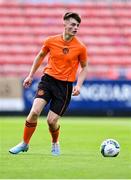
[{"x": 110, "y": 148}]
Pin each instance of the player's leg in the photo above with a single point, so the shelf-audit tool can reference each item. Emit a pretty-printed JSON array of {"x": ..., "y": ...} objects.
[
  {"x": 30, "y": 126},
  {"x": 42, "y": 97},
  {"x": 59, "y": 103},
  {"x": 31, "y": 121},
  {"x": 54, "y": 128}
]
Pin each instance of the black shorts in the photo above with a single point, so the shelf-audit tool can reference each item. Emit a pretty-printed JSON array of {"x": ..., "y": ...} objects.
[{"x": 57, "y": 92}]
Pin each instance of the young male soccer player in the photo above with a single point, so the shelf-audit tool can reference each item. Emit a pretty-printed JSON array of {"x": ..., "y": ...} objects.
[{"x": 66, "y": 52}]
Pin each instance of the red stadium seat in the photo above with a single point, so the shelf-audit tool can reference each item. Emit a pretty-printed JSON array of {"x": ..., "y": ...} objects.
[{"x": 105, "y": 30}]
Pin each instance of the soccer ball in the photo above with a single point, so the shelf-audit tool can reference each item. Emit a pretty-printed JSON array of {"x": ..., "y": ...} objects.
[{"x": 110, "y": 148}]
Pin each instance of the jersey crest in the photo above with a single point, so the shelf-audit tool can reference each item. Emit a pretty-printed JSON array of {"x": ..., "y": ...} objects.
[{"x": 65, "y": 50}]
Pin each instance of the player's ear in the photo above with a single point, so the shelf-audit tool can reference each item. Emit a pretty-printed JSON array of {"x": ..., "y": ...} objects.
[{"x": 64, "y": 23}]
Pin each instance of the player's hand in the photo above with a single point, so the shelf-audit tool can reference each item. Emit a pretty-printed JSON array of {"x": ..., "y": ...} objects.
[
  {"x": 27, "y": 82},
  {"x": 76, "y": 91}
]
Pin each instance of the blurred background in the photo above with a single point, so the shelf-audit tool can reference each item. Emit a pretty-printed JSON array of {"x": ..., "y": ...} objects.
[{"x": 106, "y": 31}]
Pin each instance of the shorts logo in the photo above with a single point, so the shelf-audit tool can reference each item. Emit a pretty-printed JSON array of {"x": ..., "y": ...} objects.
[
  {"x": 65, "y": 50},
  {"x": 40, "y": 92}
]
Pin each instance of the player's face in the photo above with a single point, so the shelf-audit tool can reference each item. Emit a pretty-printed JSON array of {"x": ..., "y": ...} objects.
[{"x": 71, "y": 27}]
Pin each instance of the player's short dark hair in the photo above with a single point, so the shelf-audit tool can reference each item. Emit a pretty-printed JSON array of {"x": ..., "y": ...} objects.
[{"x": 72, "y": 15}]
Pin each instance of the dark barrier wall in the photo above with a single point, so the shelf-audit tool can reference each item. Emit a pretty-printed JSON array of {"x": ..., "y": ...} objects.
[{"x": 97, "y": 98}]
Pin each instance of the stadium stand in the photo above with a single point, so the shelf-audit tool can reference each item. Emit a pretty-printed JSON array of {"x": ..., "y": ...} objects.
[{"x": 105, "y": 29}]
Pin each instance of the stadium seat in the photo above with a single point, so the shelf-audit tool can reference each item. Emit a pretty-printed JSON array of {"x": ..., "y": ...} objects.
[{"x": 105, "y": 30}]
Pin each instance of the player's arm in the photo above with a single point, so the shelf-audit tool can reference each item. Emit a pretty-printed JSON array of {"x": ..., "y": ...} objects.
[
  {"x": 81, "y": 78},
  {"x": 36, "y": 63}
]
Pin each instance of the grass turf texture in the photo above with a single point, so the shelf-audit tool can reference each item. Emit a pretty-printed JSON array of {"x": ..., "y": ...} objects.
[{"x": 80, "y": 155}]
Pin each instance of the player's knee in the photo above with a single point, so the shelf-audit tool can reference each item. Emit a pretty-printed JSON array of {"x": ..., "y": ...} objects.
[
  {"x": 36, "y": 111},
  {"x": 33, "y": 116},
  {"x": 51, "y": 121}
]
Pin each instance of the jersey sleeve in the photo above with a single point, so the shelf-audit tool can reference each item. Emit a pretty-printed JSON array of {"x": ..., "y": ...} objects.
[
  {"x": 83, "y": 55},
  {"x": 45, "y": 47}
]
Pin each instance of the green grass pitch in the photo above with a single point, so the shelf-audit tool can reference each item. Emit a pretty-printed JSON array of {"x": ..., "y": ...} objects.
[{"x": 80, "y": 150}]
